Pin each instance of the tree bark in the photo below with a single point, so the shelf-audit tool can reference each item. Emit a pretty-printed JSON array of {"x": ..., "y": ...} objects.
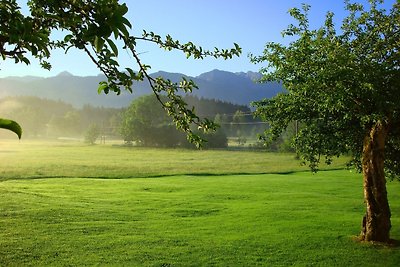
[{"x": 376, "y": 222}]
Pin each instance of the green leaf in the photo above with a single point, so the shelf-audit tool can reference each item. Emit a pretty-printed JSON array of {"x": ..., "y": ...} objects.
[
  {"x": 116, "y": 32},
  {"x": 103, "y": 86},
  {"x": 98, "y": 43},
  {"x": 127, "y": 22},
  {"x": 25, "y": 60},
  {"x": 122, "y": 9},
  {"x": 68, "y": 37},
  {"x": 121, "y": 27},
  {"x": 113, "y": 47},
  {"x": 12, "y": 126}
]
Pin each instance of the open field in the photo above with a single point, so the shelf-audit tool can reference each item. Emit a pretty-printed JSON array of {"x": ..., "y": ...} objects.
[
  {"x": 200, "y": 208},
  {"x": 38, "y": 159}
]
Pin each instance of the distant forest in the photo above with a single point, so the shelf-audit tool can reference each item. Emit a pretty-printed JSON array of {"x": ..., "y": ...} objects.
[{"x": 44, "y": 118}]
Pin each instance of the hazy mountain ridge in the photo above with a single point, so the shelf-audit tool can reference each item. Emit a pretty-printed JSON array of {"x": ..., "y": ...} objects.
[{"x": 237, "y": 88}]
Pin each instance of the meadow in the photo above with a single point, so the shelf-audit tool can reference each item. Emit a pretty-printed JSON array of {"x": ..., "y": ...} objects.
[{"x": 69, "y": 204}]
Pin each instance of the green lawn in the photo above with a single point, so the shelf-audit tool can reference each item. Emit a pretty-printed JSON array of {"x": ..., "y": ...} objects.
[{"x": 250, "y": 216}]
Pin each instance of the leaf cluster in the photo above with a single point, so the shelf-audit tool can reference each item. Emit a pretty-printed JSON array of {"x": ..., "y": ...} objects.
[
  {"x": 190, "y": 49},
  {"x": 21, "y": 34}
]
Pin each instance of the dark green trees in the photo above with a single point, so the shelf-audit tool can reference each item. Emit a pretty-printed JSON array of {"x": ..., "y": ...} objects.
[
  {"x": 146, "y": 123},
  {"x": 344, "y": 89}
]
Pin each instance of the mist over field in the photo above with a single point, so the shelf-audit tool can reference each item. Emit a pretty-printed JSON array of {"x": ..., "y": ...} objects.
[{"x": 68, "y": 107}]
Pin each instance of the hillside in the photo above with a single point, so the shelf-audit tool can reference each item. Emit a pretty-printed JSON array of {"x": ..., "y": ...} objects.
[{"x": 237, "y": 88}]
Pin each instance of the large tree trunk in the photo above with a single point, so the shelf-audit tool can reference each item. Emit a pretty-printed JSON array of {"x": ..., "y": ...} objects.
[{"x": 376, "y": 222}]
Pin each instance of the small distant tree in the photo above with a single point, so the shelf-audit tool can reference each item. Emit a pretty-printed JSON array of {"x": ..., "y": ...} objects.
[
  {"x": 344, "y": 89},
  {"x": 92, "y": 133}
]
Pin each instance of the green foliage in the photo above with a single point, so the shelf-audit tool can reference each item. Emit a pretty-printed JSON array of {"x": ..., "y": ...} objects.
[
  {"x": 286, "y": 141},
  {"x": 20, "y": 34},
  {"x": 96, "y": 27},
  {"x": 12, "y": 126},
  {"x": 92, "y": 133},
  {"x": 339, "y": 84}
]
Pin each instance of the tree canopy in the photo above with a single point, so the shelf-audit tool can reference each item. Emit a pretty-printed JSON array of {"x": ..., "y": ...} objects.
[
  {"x": 146, "y": 123},
  {"x": 343, "y": 88},
  {"x": 97, "y": 27}
]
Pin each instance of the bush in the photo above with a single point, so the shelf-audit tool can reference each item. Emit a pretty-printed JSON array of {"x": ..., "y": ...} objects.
[{"x": 216, "y": 139}]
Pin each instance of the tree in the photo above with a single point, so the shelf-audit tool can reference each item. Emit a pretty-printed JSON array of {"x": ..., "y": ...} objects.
[
  {"x": 95, "y": 27},
  {"x": 146, "y": 123},
  {"x": 343, "y": 87},
  {"x": 92, "y": 133}
]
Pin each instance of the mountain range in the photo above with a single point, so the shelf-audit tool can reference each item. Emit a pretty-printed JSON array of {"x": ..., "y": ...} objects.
[{"x": 237, "y": 88}]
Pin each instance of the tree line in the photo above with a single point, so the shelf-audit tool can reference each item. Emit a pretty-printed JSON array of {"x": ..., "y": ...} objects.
[{"x": 143, "y": 123}]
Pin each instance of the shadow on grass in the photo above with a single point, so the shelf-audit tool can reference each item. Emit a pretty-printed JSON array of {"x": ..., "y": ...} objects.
[
  {"x": 201, "y": 174},
  {"x": 393, "y": 243}
]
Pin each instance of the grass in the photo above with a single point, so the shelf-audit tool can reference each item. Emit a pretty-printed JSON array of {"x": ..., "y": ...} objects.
[
  {"x": 37, "y": 159},
  {"x": 251, "y": 219}
]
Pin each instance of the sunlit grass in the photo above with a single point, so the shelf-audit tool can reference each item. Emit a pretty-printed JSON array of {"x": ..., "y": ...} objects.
[
  {"x": 272, "y": 219},
  {"x": 243, "y": 220}
]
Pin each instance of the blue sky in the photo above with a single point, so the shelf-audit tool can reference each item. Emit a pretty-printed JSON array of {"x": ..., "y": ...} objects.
[{"x": 208, "y": 23}]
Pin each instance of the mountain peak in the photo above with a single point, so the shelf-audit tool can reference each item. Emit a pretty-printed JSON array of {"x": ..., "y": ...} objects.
[
  {"x": 212, "y": 75},
  {"x": 64, "y": 74},
  {"x": 254, "y": 76}
]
